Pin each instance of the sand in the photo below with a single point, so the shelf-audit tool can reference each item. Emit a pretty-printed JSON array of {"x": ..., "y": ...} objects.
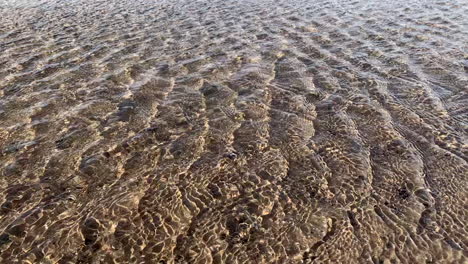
[{"x": 157, "y": 131}]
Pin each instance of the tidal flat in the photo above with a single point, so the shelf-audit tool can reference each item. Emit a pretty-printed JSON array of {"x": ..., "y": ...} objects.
[{"x": 233, "y": 131}]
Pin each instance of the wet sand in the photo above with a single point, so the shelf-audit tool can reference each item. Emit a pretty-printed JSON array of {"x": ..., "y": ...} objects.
[{"x": 233, "y": 131}]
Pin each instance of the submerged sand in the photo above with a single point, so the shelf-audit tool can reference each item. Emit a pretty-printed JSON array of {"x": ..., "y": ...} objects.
[{"x": 226, "y": 131}]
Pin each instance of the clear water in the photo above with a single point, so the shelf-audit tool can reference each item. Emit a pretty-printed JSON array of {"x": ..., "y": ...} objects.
[{"x": 233, "y": 131}]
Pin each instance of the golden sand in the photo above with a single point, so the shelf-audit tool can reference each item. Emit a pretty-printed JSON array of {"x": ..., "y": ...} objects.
[{"x": 286, "y": 131}]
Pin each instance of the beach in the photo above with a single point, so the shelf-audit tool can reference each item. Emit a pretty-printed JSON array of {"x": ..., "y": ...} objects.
[{"x": 249, "y": 131}]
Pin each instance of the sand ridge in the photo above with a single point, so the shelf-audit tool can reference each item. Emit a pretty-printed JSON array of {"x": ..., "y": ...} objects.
[{"x": 233, "y": 131}]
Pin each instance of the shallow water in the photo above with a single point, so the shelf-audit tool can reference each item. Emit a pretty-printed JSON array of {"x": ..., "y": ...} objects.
[{"x": 233, "y": 131}]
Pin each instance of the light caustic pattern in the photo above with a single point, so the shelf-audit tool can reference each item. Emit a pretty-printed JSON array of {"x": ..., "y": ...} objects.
[{"x": 233, "y": 131}]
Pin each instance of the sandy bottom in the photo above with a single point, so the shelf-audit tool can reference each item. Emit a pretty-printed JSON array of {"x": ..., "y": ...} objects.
[{"x": 144, "y": 131}]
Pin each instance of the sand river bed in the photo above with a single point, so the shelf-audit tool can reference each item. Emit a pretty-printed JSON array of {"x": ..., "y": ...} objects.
[{"x": 248, "y": 131}]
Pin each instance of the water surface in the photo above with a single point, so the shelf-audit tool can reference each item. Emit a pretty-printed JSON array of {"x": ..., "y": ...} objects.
[{"x": 233, "y": 131}]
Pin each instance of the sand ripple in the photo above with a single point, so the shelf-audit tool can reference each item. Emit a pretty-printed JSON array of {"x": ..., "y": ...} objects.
[{"x": 233, "y": 131}]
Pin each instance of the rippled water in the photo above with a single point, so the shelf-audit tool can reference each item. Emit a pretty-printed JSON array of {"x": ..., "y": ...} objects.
[{"x": 233, "y": 131}]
